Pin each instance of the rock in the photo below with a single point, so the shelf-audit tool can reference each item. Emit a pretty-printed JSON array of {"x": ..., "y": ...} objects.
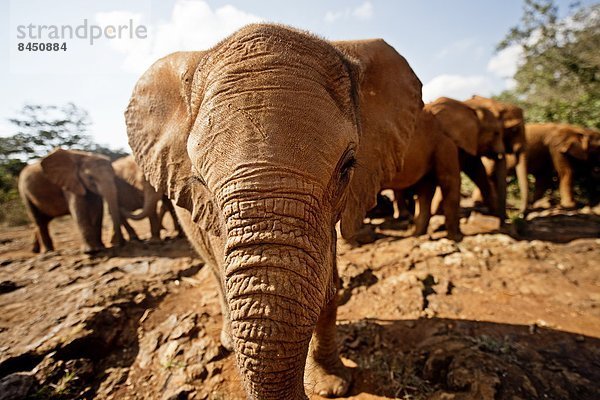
[
  {"x": 442, "y": 247},
  {"x": 211, "y": 348},
  {"x": 484, "y": 222},
  {"x": 213, "y": 370},
  {"x": 115, "y": 377},
  {"x": 453, "y": 260},
  {"x": 16, "y": 386},
  {"x": 197, "y": 372},
  {"x": 180, "y": 393},
  {"x": 184, "y": 327}
]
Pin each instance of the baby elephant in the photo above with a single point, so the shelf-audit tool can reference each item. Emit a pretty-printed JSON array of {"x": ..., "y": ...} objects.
[
  {"x": 561, "y": 149},
  {"x": 431, "y": 159},
  {"x": 135, "y": 192},
  {"x": 262, "y": 146},
  {"x": 70, "y": 182}
]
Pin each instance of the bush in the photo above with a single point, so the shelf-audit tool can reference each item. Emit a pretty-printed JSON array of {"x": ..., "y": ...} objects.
[{"x": 12, "y": 210}]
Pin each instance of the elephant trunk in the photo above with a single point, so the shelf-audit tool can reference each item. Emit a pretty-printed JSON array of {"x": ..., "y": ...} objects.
[
  {"x": 151, "y": 198},
  {"x": 275, "y": 285}
]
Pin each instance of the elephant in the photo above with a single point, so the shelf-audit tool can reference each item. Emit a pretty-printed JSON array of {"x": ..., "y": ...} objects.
[
  {"x": 70, "y": 182},
  {"x": 135, "y": 192},
  {"x": 262, "y": 146},
  {"x": 563, "y": 150},
  {"x": 477, "y": 133},
  {"x": 431, "y": 159},
  {"x": 513, "y": 125}
]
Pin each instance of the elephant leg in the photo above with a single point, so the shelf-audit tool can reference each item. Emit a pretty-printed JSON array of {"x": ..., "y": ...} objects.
[
  {"x": 130, "y": 231},
  {"x": 41, "y": 235},
  {"x": 44, "y": 235},
  {"x": 521, "y": 171},
  {"x": 475, "y": 170},
  {"x": 565, "y": 187},
  {"x": 425, "y": 189},
  {"x": 81, "y": 209},
  {"x": 542, "y": 184},
  {"x": 498, "y": 175},
  {"x": 476, "y": 196},
  {"x": 167, "y": 206},
  {"x": 96, "y": 215},
  {"x": 447, "y": 170},
  {"x": 162, "y": 210},
  {"x": 325, "y": 374},
  {"x": 401, "y": 205},
  {"x": 155, "y": 226}
]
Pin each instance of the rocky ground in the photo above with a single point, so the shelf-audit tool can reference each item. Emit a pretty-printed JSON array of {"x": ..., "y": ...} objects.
[{"x": 506, "y": 314}]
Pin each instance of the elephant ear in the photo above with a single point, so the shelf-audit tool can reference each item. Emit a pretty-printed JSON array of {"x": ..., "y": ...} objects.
[
  {"x": 159, "y": 118},
  {"x": 459, "y": 122},
  {"x": 575, "y": 143},
  {"x": 61, "y": 167},
  {"x": 487, "y": 121},
  {"x": 389, "y": 95}
]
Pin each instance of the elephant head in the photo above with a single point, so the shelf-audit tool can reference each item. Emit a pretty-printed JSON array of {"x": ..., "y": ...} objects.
[
  {"x": 80, "y": 172},
  {"x": 475, "y": 130},
  {"x": 510, "y": 116},
  {"x": 258, "y": 141},
  {"x": 575, "y": 142}
]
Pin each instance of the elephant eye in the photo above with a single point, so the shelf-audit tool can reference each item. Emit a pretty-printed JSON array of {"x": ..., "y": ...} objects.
[
  {"x": 347, "y": 167},
  {"x": 348, "y": 164}
]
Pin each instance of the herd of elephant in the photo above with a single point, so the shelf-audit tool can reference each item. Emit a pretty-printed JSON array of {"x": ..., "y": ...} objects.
[
  {"x": 263, "y": 144},
  {"x": 488, "y": 140},
  {"x": 75, "y": 182}
]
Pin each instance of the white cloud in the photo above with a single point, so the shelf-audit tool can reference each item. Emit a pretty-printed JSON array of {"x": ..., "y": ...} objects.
[
  {"x": 364, "y": 11},
  {"x": 505, "y": 63},
  {"x": 6, "y": 128},
  {"x": 457, "y": 86},
  {"x": 193, "y": 25},
  {"x": 361, "y": 12}
]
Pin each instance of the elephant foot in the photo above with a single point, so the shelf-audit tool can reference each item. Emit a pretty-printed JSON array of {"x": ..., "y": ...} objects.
[
  {"x": 117, "y": 241},
  {"x": 92, "y": 249},
  {"x": 154, "y": 240},
  {"x": 327, "y": 381},
  {"x": 568, "y": 205},
  {"x": 455, "y": 236}
]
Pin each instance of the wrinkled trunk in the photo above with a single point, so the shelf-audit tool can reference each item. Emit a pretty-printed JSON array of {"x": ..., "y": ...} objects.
[
  {"x": 275, "y": 284},
  {"x": 109, "y": 193}
]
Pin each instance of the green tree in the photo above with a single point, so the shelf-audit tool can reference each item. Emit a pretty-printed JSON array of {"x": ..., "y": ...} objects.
[
  {"x": 558, "y": 79},
  {"x": 41, "y": 128}
]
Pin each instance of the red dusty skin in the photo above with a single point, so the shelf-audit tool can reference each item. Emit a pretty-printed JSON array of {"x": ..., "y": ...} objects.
[{"x": 275, "y": 284}]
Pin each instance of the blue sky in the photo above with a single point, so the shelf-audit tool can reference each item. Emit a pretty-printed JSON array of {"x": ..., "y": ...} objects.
[{"x": 450, "y": 45}]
